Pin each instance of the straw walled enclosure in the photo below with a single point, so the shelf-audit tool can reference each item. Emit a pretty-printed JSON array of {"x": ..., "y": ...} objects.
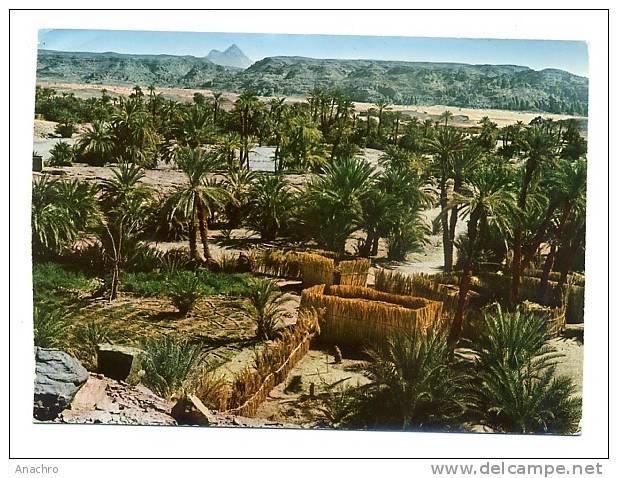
[
  {"x": 357, "y": 316},
  {"x": 251, "y": 386},
  {"x": 313, "y": 268}
]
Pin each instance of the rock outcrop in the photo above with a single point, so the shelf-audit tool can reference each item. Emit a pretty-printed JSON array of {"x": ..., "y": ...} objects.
[
  {"x": 104, "y": 400},
  {"x": 120, "y": 362},
  {"x": 58, "y": 379}
]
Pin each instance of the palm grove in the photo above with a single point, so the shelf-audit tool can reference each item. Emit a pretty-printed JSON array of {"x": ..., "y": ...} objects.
[{"x": 521, "y": 189}]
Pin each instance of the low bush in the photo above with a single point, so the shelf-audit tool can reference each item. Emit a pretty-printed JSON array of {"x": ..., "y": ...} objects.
[
  {"x": 516, "y": 388},
  {"x": 184, "y": 290},
  {"x": 65, "y": 130},
  {"x": 169, "y": 364},
  {"x": 52, "y": 276},
  {"x": 62, "y": 154},
  {"x": 266, "y": 306},
  {"x": 151, "y": 284},
  {"x": 49, "y": 328}
]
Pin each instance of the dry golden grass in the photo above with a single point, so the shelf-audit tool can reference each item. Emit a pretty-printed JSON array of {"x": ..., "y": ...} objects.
[{"x": 358, "y": 316}]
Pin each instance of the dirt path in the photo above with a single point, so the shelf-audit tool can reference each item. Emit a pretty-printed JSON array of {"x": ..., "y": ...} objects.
[{"x": 290, "y": 402}]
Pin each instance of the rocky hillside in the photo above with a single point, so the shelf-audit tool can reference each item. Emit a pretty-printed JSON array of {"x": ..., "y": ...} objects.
[
  {"x": 476, "y": 86},
  {"x": 115, "y": 68}
]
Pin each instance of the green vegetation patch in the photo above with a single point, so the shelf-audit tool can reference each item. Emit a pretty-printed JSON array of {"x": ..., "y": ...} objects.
[
  {"x": 52, "y": 276},
  {"x": 153, "y": 284}
]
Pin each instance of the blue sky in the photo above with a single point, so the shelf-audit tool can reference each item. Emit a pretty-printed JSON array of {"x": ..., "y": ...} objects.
[{"x": 537, "y": 54}]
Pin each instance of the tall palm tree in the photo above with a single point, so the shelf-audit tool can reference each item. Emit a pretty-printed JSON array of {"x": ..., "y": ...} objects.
[
  {"x": 463, "y": 162},
  {"x": 538, "y": 145},
  {"x": 216, "y": 106},
  {"x": 488, "y": 199},
  {"x": 445, "y": 143},
  {"x": 382, "y": 106},
  {"x": 488, "y": 135},
  {"x": 447, "y": 115},
  {"x": 379, "y": 211},
  {"x": 570, "y": 185},
  {"x": 196, "y": 127},
  {"x": 123, "y": 201},
  {"x": 245, "y": 108},
  {"x": 199, "y": 198}
]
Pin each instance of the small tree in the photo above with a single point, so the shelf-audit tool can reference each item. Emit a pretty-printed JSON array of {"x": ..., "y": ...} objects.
[
  {"x": 62, "y": 154},
  {"x": 184, "y": 290},
  {"x": 124, "y": 200},
  {"x": 266, "y": 306}
]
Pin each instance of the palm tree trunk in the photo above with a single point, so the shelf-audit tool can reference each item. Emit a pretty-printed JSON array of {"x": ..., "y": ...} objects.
[
  {"x": 549, "y": 263},
  {"x": 193, "y": 235},
  {"x": 447, "y": 244},
  {"x": 114, "y": 285},
  {"x": 516, "y": 266},
  {"x": 203, "y": 225},
  {"x": 539, "y": 236},
  {"x": 466, "y": 279},
  {"x": 458, "y": 184}
]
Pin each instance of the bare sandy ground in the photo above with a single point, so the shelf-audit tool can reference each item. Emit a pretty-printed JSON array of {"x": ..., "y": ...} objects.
[
  {"x": 464, "y": 117},
  {"x": 294, "y": 405}
]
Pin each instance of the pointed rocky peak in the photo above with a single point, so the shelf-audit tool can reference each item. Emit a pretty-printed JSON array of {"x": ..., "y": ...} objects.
[{"x": 233, "y": 56}]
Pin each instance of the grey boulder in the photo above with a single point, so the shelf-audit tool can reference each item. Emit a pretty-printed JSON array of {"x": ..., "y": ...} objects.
[{"x": 58, "y": 378}]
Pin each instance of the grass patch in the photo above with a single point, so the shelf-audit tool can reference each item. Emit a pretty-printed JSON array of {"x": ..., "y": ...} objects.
[
  {"x": 156, "y": 284},
  {"x": 53, "y": 276}
]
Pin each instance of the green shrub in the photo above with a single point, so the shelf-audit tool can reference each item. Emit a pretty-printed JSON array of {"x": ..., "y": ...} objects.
[
  {"x": 52, "y": 276},
  {"x": 50, "y": 330},
  {"x": 516, "y": 388},
  {"x": 415, "y": 385},
  {"x": 169, "y": 364},
  {"x": 62, "y": 154},
  {"x": 265, "y": 306},
  {"x": 65, "y": 130},
  {"x": 184, "y": 290},
  {"x": 155, "y": 283},
  {"x": 222, "y": 283}
]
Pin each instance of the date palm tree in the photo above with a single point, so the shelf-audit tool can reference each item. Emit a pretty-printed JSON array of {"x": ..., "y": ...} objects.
[
  {"x": 333, "y": 201},
  {"x": 97, "y": 143},
  {"x": 238, "y": 183},
  {"x": 538, "y": 144},
  {"x": 488, "y": 199},
  {"x": 464, "y": 163},
  {"x": 199, "y": 198},
  {"x": 447, "y": 115},
  {"x": 569, "y": 183},
  {"x": 216, "y": 105},
  {"x": 61, "y": 210},
  {"x": 245, "y": 109},
  {"x": 382, "y": 106},
  {"x": 444, "y": 145},
  {"x": 123, "y": 202},
  {"x": 271, "y": 205}
]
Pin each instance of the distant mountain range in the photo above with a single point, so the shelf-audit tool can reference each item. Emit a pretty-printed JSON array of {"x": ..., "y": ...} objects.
[
  {"x": 232, "y": 56},
  {"x": 454, "y": 84}
]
